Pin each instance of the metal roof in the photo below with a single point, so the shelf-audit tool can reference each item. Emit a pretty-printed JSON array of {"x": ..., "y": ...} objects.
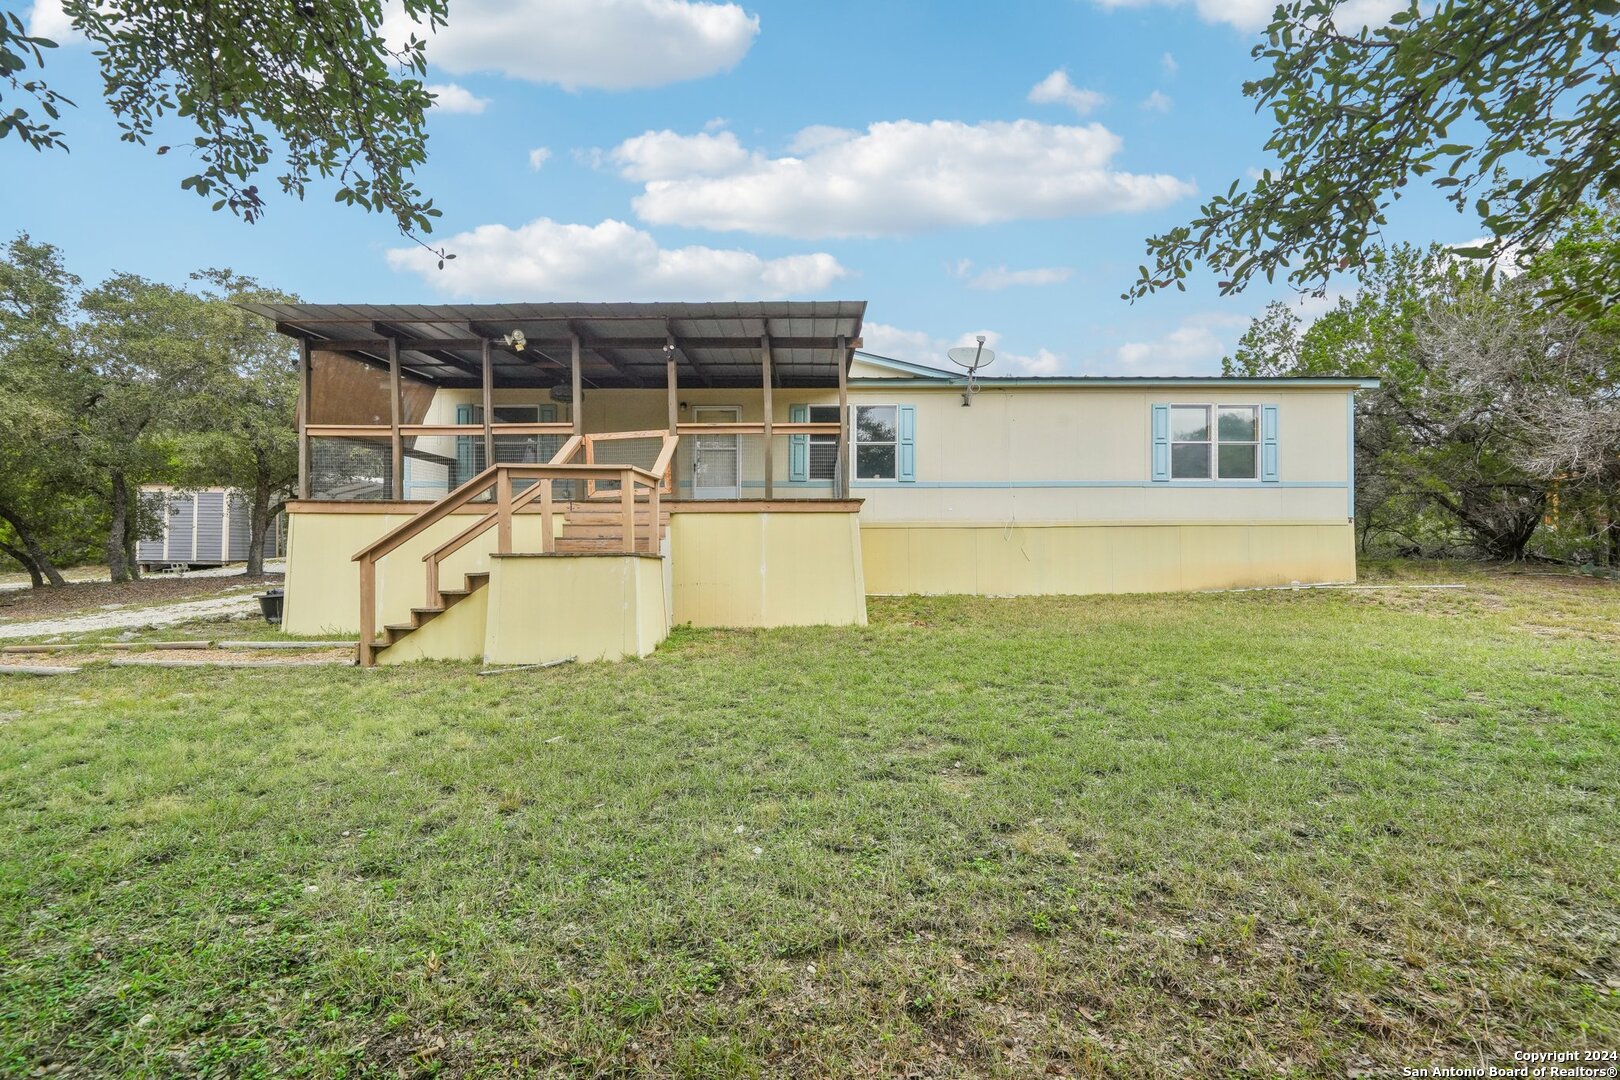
[
  {"x": 716, "y": 344},
  {"x": 914, "y": 374}
]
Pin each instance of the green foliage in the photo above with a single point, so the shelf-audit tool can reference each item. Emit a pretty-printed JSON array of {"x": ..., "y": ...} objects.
[
  {"x": 1495, "y": 406},
  {"x": 315, "y": 83},
  {"x": 44, "y": 506},
  {"x": 132, "y": 382},
  {"x": 1509, "y": 106},
  {"x": 19, "y": 52}
]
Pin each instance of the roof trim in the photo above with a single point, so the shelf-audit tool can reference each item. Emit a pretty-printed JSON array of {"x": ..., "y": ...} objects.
[
  {"x": 953, "y": 379},
  {"x": 863, "y": 357}
]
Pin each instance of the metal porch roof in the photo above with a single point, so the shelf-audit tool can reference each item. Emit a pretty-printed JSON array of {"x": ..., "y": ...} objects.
[{"x": 716, "y": 344}]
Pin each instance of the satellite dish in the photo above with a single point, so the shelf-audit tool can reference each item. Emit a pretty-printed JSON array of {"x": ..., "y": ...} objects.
[{"x": 972, "y": 357}]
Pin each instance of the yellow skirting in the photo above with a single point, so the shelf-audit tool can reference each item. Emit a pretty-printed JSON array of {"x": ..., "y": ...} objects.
[
  {"x": 1054, "y": 559},
  {"x": 590, "y": 607},
  {"x": 767, "y": 569}
]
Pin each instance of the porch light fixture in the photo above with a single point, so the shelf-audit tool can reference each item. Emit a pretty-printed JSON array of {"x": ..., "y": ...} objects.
[{"x": 515, "y": 340}]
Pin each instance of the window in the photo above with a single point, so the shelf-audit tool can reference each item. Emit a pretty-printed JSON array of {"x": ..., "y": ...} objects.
[
  {"x": 1219, "y": 442},
  {"x": 882, "y": 444},
  {"x": 876, "y": 442},
  {"x": 823, "y": 448}
]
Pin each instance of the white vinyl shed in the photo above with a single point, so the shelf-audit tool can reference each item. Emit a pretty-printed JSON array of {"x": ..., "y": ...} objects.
[{"x": 203, "y": 527}]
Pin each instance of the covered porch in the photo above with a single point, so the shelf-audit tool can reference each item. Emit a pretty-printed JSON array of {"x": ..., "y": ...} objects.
[
  {"x": 405, "y": 403},
  {"x": 531, "y": 481}
]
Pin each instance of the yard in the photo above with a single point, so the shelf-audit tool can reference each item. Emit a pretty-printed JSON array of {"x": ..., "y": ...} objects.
[{"x": 1264, "y": 833}]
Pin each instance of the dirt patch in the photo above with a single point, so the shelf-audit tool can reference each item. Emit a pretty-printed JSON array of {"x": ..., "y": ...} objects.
[{"x": 93, "y": 596}]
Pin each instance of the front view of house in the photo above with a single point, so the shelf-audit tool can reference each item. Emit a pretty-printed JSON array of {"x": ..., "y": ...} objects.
[{"x": 527, "y": 482}]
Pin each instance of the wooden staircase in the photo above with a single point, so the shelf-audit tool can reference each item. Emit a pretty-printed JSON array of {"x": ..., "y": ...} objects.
[
  {"x": 599, "y": 528},
  {"x": 421, "y": 616}
]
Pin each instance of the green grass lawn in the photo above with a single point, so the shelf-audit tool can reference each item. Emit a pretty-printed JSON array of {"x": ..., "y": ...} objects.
[{"x": 1252, "y": 834}]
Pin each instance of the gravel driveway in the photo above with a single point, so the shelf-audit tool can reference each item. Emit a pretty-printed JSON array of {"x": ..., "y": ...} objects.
[{"x": 167, "y": 615}]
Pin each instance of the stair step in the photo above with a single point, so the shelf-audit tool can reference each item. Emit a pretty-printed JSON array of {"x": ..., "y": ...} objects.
[
  {"x": 597, "y": 543},
  {"x": 598, "y": 532},
  {"x": 609, "y": 520}
]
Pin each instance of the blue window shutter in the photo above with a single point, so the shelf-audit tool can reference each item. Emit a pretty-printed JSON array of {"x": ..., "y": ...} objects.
[
  {"x": 1268, "y": 443},
  {"x": 798, "y": 446},
  {"x": 1161, "y": 442},
  {"x": 466, "y": 445},
  {"x": 907, "y": 447}
]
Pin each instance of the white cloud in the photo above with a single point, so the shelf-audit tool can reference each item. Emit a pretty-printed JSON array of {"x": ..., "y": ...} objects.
[
  {"x": 1186, "y": 350},
  {"x": 1168, "y": 63},
  {"x": 1250, "y": 15},
  {"x": 1158, "y": 102},
  {"x": 588, "y": 44},
  {"x": 664, "y": 155},
  {"x": 549, "y": 260},
  {"x": 897, "y": 177},
  {"x": 920, "y": 347},
  {"x": 915, "y": 346},
  {"x": 1056, "y": 89},
  {"x": 994, "y": 278},
  {"x": 1193, "y": 348},
  {"x": 538, "y": 157},
  {"x": 1044, "y": 362},
  {"x": 451, "y": 98},
  {"x": 46, "y": 19}
]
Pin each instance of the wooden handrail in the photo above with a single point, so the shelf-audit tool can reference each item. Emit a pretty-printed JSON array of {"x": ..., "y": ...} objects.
[
  {"x": 402, "y": 532},
  {"x": 665, "y": 455},
  {"x": 614, "y": 436},
  {"x": 567, "y": 450}
]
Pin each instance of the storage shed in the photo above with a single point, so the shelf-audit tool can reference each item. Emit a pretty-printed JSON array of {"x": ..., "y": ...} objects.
[{"x": 203, "y": 527}]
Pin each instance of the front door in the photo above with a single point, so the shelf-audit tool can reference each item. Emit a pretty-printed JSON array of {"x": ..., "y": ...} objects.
[{"x": 716, "y": 459}]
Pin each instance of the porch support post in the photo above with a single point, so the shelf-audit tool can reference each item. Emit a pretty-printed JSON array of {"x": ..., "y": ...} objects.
[
  {"x": 578, "y": 385},
  {"x": 765, "y": 366},
  {"x": 397, "y": 445},
  {"x": 489, "y": 404},
  {"x": 841, "y": 487},
  {"x": 674, "y": 393},
  {"x": 305, "y": 382}
]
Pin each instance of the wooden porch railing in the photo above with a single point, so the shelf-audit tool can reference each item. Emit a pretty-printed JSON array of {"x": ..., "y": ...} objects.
[{"x": 497, "y": 479}]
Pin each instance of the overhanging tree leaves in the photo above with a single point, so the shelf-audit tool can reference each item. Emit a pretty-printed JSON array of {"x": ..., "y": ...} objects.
[
  {"x": 313, "y": 82},
  {"x": 1510, "y": 106}
]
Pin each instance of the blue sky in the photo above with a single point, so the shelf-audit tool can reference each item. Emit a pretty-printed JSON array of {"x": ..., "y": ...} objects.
[{"x": 965, "y": 167}]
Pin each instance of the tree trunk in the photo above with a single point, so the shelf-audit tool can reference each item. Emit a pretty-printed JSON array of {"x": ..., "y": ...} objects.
[
  {"x": 30, "y": 545},
  {"x": 118, "y": 529},
  {"x": 35, "y": 578},
  {"x": 258, "y": 526}
]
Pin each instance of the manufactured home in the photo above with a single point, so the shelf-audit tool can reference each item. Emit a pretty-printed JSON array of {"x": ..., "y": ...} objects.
[
  {"x": 201, "y": 527},
  {"x": 518, "y": 483}
]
